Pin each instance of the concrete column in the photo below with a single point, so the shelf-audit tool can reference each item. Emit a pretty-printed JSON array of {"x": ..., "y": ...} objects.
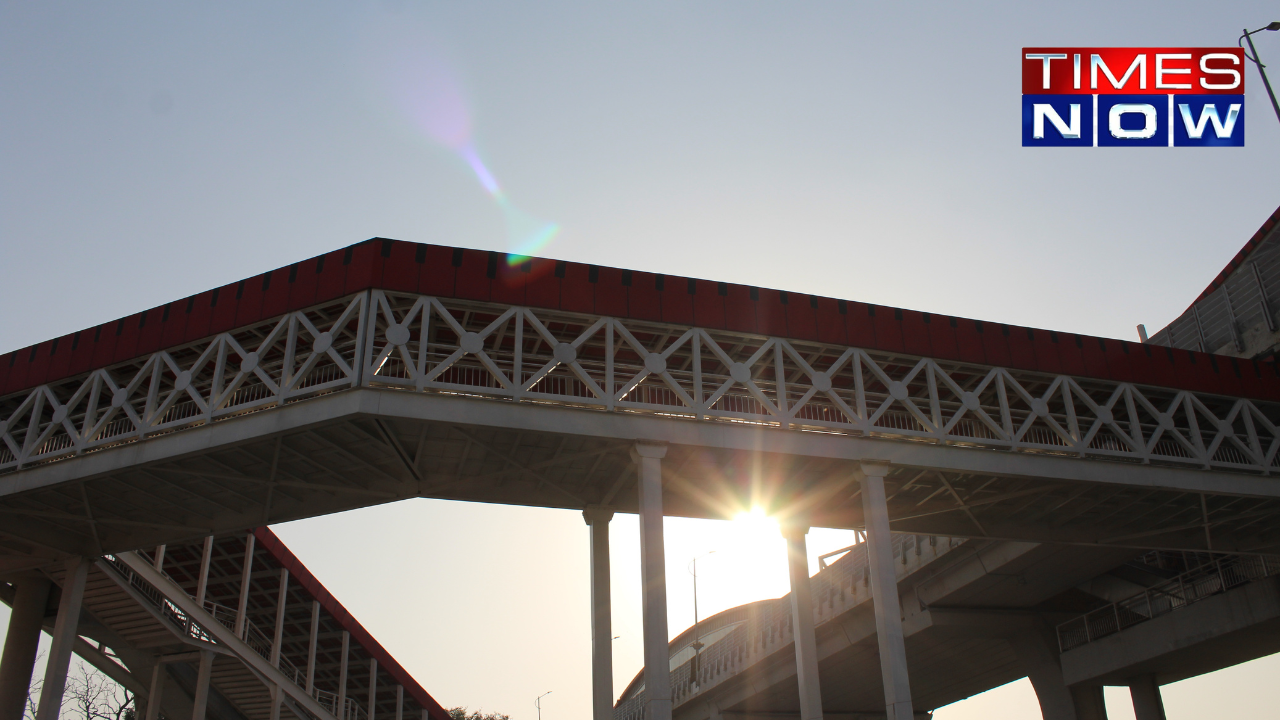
[
  {"x": 884, "y": 593},
  {"x": 281, "y": 602},
  {"x": 399, "y": 702},
  {"x": 31, "y": 596},
  {"x": 806, "y": 642},
  {"x": 1090, "y": 703},
  {"x": 1145, "y": 693},
  {"x": 373, "y": 686},
  {"x": 246, "y": 574},
  {"x": 205, "y": 558},
  {"x": 156, "y": 695},
  {"x": 158, "y": 562},
  {"x": 200, "y": 703},
  {"x": 311, "y": 646},
  {"x": 601, "y": 613},
  {"x": 342, "y": 675},
  {"x": 277, "y": 698},
  {"x": 653, "y": 582},
  {"x": 1037, "y": 652},
  {"x": 64, "y": 638}
]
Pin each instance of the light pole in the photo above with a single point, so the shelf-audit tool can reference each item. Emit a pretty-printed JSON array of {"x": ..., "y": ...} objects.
[
  {"x": 1248, "y": 37},
  {"x": 537, "y": 702},
  {"x": 697, "y": 642}
]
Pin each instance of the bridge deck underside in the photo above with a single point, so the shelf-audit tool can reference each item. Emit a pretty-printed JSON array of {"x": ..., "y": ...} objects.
[{"x": 336, "y": 455}]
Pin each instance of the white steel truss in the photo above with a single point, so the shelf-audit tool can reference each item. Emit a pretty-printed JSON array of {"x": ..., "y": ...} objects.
[{"x": 518, "y": 354}]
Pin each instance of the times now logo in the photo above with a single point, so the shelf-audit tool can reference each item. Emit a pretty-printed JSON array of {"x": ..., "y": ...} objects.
[{"x": 1091, "y": 97}]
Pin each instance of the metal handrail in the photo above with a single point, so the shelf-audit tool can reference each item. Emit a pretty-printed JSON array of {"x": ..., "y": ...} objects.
[{"x": 1217, "y": 575}]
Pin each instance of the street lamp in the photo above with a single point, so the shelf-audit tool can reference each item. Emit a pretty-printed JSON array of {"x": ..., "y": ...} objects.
[
  {"x": 537, "y": 702},
  {"x": 697, "y": 642},
  {"x": 1247, "y": 36}
]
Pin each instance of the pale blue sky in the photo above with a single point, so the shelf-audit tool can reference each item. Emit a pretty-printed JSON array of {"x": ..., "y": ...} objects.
[{"x": 860, "y": 150}]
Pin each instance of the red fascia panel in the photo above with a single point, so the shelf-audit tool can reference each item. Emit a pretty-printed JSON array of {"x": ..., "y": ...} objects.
[
  {"x": 18, "y": 372},
  {"x": 437, "y": 276},
  {"x": 127, "y": 338},
  {"x": 81, "y": 353},
  {"x": 708, "y": 305},
  {"x": 150, "y": 330},
  {"x": 1153, "y": 365},
  {"x": 39, "y": 372},
  {"x": 1071, "y": 352},
  {"x": 677, "y": 303},
  {"x": 60, "y": 358},
  {"x": 473, "y": 278},
  {"x": 969, "y": 342},
  {"x": 199, "y": 317},
  {"x": 1231, "y": 371},
  {"x": 995, "y": 343},
  {"x": 223, "y": 313},
  {"x": 771, "y": 315},
  {"x": 1094, "y": 357},
  {"x": 249, "y": 301},
  {"x": 272, "y": 544},
  {"x": 275, "y": 299},
  {"x": 332, "y": 276},
  {"x": 400, "y": 273},
  {"x": 644, "y": 302},
  {"x": 859, "y": 325},
  {"x": 888, "y": 328},
  {"x": 802, "y": 320},
  {"x": 1046, "y": 350},
  {"x": 830, "y": 321},
  {"x": 611, "y": 294},
  {"x": 542, "y": 289},
  {"x": 577, "y": 292},
  {"x": 363, "y": 265},
  {"x": 303, "y": 281},
  {"x": 1120, "y": 356},
  {"x": 509, "y": 282},
  {"x": 915, "y": 333},
  {"x": 739, "y": 309},
  {"x": 4, "y": 371},
  {"x": 1022, "y": 353},
  {"x": 942, "y": 337},
  {"x": 103, "y": 338},
  {"x": 173, "y": 321}
]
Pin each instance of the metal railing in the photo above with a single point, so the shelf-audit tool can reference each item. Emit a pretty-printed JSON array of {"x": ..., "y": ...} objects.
[{"x": 1217, "y": 575}]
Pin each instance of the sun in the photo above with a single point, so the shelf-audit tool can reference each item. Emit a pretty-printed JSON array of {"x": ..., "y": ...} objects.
[{"x": 756, "y": 525}]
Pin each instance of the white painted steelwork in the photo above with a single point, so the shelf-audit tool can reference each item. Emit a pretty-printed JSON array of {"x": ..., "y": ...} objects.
[{"x": 539, "y": 357}]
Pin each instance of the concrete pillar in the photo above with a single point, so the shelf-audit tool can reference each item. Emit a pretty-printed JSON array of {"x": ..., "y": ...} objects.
[
  {"x": 64, "y": 638},
  {"x": 277, "y": 698},
  {"x": 1090, "y": 703},
  {"x": 884, "y": 593},
  {"x": 601, "y": 614},
  {"x": 158, "y": 562},
  {"x": 653, "y": 582},
  {"x": 1037, "y": 652},
  {"x": 806, "y": 642},
  {"x": 203, "y": 584},
  {"x": 281, "y": 601},
  {"x": 1145, "y": 693},
  {"x": 246, "y": 574},
  {"x": 342, "y": 676},
  {"x": 200, "y": 703},
  {"x": 373, "y": 687},
  {"x": 399, "y": 702},
  {"x": 155, "y": 697},
  {"x": 31, "y": 597}
]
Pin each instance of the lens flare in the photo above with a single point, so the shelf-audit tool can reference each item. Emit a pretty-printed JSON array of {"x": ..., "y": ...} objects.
[{"x": 434, "y": 100}]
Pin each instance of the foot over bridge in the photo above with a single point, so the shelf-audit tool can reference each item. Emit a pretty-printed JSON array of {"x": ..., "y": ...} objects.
[
  {"x": 230, "y": 627},
  {"x": 389, "y": 370}
]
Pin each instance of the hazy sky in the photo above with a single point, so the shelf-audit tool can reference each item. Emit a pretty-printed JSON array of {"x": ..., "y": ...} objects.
[{"x": 868, "y": 151}]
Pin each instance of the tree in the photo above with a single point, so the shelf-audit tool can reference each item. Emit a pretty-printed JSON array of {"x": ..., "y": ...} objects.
[
  {"x": 89, "y": 695},
  {"x": 460, "y": 713}
]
